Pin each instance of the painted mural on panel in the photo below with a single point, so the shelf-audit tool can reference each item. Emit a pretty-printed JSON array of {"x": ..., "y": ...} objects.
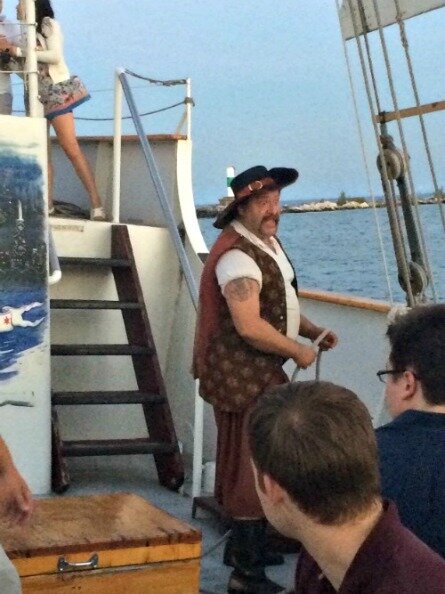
[{"x": 23, "y": 251}]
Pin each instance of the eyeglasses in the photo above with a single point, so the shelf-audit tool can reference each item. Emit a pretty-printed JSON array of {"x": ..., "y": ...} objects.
[{"x": 384, "y": 372}]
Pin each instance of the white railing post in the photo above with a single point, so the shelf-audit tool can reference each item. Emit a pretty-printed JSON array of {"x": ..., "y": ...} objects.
[
  {"x": 198, "y": 435},
  {"x": 31, "y": 59},
  {"x": 188, "y": 108},
  {"x": 117, "y": 148}
]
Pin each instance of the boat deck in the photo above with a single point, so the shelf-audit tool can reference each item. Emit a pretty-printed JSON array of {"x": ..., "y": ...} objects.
[{"x": 138, "y": 475}]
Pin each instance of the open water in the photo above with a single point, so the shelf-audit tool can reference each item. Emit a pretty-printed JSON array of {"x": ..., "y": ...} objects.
[{"x": 339, "y": 251}]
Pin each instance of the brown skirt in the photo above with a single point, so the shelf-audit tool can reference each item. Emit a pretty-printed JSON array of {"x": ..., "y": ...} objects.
[{"x": 234, "y": 481}]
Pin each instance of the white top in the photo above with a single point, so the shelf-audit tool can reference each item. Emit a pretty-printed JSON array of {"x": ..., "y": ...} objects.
[
  {"x": 237, "y": 264},
  {"x": 51, "y": 52},
  {"x": 12, "y": 33}
]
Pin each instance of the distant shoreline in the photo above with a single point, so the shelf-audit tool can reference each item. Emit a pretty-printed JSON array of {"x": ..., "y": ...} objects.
[{"x": 211, "y": 211}]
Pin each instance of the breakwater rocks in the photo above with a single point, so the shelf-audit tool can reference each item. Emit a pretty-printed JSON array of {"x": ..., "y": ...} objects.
[
  {"x": 210, "y": 211},
  {"x": 325, "y": 205}
]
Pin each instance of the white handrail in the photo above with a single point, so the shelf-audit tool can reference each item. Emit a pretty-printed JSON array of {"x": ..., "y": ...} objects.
[
  {"x": 31, "y": 59},
  {"x": 117, "y": 148}
]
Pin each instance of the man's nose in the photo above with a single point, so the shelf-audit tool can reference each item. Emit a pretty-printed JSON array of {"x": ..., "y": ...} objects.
[{"x": 274, "y": 208}]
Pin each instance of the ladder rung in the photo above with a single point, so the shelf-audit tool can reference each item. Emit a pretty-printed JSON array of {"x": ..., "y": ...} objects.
[
  {"x": 99, "y": 349},
  {"x": 116, "y": 447},
  {"x": 128, "y": 397},
  {"x": 92, "y": 304},
  {"x": 97, "y": 262}
]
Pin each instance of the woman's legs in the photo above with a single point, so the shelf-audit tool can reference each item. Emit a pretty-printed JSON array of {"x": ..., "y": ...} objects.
[{"x": 66, "y": 134}]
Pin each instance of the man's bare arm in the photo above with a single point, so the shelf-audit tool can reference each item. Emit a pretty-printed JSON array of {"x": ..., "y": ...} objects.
[
  {"x": 242, "y": 296},
  {"x": 16, "y": 504}
]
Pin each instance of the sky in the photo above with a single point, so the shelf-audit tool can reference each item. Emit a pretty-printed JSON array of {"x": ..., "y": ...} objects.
[{"x": 269, "y": 82}]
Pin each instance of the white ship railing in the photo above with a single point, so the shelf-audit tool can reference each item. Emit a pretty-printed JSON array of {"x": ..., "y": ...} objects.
[{"x": 186, "y": 120}]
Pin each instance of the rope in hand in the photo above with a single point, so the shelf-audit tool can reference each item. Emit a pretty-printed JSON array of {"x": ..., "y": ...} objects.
[{"x": 315, "y": 346}]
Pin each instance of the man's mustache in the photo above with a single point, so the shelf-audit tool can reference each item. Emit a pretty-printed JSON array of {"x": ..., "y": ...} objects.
[{"x": 275, "y": 219}]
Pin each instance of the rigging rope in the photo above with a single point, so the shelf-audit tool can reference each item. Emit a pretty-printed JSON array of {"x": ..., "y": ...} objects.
[
  {"x": 399, "y": 246},
  {"x": 368, "y": 55},
  {"x": 405, "y": 44},
  {"x": 154, "y": 81},
  {"x": 141, "y": 115},
  {"x": 366, "y": 165},
  {"x": 404, "y": 146},
  {"x": 184, "y": 101}
]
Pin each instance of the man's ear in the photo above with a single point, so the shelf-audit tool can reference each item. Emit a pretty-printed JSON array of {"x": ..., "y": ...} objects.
[
  {"x": 273, "y": 491},
  {"x": 267, "y": 485},
  {"x": 409, "y": 384}
]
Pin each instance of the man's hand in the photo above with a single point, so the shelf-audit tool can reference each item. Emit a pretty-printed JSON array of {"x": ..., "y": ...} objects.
[
  {"x": 16, "y": 503},
  {"x": 4, "y": 43},
  {"x": 329, "y": 341},
  {"x": 305, "y": 357}
]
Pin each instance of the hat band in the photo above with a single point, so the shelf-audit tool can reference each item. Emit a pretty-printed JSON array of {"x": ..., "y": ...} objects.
[{"x": 255, "y": 186}]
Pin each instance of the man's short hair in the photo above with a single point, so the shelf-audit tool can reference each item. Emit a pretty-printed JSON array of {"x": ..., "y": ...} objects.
[
  {"x": 316, "y": 440},
  {"x": 417, "y": 342}
]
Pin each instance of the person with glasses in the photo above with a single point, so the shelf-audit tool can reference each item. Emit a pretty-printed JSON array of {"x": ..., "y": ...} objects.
[
  {"x": 412, "y": 446},
  {"x": 314, "y": 455}
]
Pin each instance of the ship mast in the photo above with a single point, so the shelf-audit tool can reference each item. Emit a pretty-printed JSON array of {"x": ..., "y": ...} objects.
[{"x": 357, "y": 19}]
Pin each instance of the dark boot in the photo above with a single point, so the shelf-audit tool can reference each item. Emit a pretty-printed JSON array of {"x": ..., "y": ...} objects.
[
  {"x": 269, "y": 557},
  {"x": 248, "y": 576}
]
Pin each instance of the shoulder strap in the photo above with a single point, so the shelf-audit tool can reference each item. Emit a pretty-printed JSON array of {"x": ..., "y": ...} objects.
[{"x": 294, "y": 282}]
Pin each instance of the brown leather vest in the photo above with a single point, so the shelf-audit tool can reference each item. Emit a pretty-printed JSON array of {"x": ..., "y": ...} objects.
[{"x": 232, "y": 373}]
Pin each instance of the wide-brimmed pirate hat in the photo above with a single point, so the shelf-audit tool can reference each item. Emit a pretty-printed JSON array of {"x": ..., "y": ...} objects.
[{"x": 247, "y": 183}]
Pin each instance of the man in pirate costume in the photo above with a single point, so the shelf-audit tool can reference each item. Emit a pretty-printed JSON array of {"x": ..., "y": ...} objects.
[{"x": 248, "y": 325}]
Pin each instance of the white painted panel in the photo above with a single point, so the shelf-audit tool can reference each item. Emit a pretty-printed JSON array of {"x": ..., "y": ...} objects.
[
  {"x": 23, "y": 287},
  {"x": 387, "y": 11},
  {"x": 139, "y": 202}
]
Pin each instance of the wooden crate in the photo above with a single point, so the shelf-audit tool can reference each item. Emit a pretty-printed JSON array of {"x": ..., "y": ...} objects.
[{"x": 131, "y": 546}]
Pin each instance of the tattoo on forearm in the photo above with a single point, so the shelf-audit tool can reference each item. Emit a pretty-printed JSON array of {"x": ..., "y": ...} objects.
[{"x": 239, "y": 289}]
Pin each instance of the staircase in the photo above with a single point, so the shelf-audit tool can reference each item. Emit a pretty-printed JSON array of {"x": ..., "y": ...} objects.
[{"x": 151, "y": 393}]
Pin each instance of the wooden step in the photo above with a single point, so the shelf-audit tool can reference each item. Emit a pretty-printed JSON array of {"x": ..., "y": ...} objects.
[
  {"x": 116, "y": 447},
  {"x": 128, "y": 397},
  {"x": 95, "y": 262},
  {"x": 92, "y": 304},
  {"x": 99, "y": 349}
]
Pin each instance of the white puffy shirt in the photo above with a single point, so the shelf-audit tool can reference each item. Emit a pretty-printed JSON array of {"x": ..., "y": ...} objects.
[{"x": 237, "y": 264}]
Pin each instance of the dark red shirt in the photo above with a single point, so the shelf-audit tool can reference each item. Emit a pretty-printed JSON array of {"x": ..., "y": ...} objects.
[{"x": 390, "y": 561}]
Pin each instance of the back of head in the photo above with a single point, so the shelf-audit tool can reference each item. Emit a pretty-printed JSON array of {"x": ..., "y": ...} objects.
[
  {"x": 417, "y": 342},
  {"x": 43, "y": 9},
  {"x": 316, "y": 440}
]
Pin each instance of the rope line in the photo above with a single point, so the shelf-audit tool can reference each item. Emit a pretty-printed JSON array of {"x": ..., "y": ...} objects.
[
  {"x": 141, "y": 115},
  {"x": 396, "y": 232},
  {"x": 154, "y": 81},
  {"x": 404, "y": 146},
  {"x": 366, "y": 165},
  {"x": 405, "y": 44},
  {"x": 365, "y": 28}
]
